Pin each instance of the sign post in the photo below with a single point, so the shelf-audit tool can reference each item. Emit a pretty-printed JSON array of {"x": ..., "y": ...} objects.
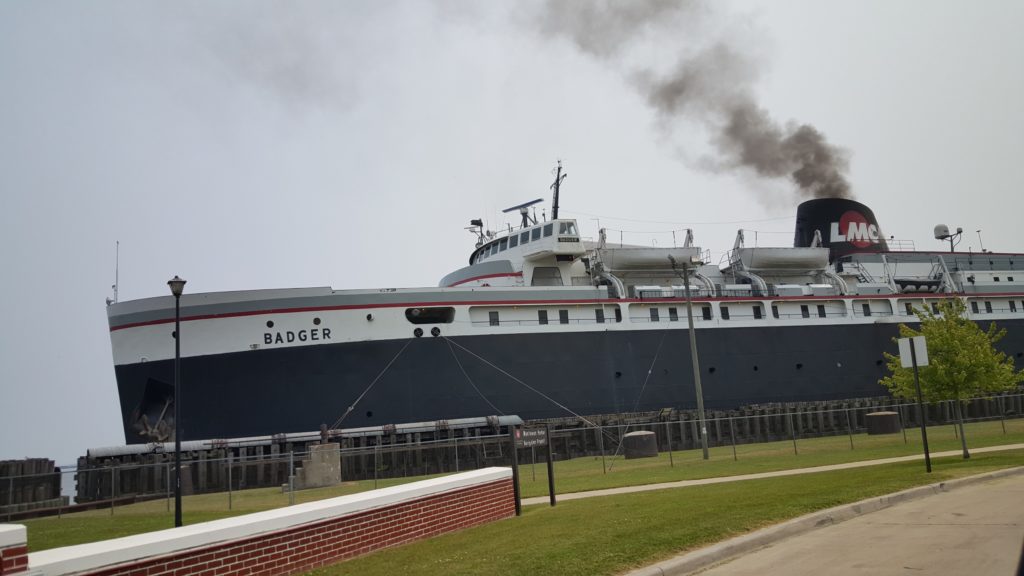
[
  {"x": 532, "y": 438},
  {"x": 914, "y": 353},
  {"x": 551, "y": 466},
  {"x": 513, "y": 435}
]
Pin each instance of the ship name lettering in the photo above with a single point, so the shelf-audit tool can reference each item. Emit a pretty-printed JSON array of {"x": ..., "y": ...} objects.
[{"x": 300, "y": 336}]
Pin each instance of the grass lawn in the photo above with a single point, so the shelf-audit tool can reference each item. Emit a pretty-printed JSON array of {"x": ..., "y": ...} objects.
[
  {"x": 576, "y": 475},
  {"x": 582, "y": 474},
  {"x": 611, "y": 534}
]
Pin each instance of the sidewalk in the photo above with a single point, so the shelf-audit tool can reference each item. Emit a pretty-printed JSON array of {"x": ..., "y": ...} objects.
[
  {"x": 759, "y": 475},
  {"x": 975, "y": 529}
]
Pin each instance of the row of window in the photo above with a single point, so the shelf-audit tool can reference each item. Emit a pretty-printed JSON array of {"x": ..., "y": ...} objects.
[
  {"x": 988, "y": 307},
  {"x": 564, "y": 228},
  {"x": 563, "y": 316},
  {"x": 446, "y": 315},
  {"x": 517, "y": 239}
]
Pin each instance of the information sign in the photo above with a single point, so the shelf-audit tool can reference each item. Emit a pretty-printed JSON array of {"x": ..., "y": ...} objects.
[
  {"x": 920, "y": 351},
  {"x": 531, "y": 437}
]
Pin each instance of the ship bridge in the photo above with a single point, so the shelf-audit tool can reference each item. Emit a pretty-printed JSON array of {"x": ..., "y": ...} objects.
[{"x": 540, "y": 254}]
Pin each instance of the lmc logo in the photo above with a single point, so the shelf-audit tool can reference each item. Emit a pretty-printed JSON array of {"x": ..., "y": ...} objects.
[{"x": 854, "y": 228}]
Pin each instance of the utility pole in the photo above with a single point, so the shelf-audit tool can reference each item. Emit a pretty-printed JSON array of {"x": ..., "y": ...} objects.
[{"x": 693, "y": 356}]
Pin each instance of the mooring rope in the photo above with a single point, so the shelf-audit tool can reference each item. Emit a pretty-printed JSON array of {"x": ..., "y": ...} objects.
[
  {"x": 382, "y": 372},
  {"x": 470, "y": 380},
  {"x": 531, "y": 388},
  {"x": 636, "y": 404}
]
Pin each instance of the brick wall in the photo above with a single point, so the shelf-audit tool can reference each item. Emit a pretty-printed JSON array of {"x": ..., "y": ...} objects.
[
  {"x": 452, "y": 504},
  {"x": 13, "y": 551}
]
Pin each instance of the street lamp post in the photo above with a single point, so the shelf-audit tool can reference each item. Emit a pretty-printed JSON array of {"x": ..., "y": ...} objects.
[
  {"x": 693, "y": 356},
  {"x": 177, "y": 285}
]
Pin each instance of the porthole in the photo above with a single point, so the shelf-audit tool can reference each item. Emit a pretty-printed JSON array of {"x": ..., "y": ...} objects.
[
  {"x": 270, "y": 323},
  {"x": 417, "y": 332},
  {"x": 755, "y": 368},
  {"x": 799, "y": 366},
  {"x": 369, "y": 413},
  {"x": 618, "y": 374},
  {"x": 1020, "y": 354},
  {"x": 711, "y": 370},
  {"x": 316, "y": 321},
  {"x": 174, "y": 334},
  {"x": 435, "y": 331},
  {"x": 878, "y": 362},
  {"x": 369, "y": 317}
]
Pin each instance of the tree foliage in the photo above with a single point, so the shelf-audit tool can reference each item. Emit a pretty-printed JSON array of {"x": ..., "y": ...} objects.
[{"x": 962, "y": 361}]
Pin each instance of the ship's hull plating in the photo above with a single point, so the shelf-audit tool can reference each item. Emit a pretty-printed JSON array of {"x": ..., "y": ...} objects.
[{"x": 263, "y": 392}]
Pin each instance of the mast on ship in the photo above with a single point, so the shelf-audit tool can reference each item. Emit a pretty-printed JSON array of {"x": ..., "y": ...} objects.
[{"x": 558, "y": 181}]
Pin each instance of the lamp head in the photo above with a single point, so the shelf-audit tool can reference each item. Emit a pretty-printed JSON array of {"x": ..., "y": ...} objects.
[{"x": 177, "y": 286}]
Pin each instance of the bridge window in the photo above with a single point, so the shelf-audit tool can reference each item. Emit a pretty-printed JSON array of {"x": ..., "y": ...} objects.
[
  {"x": 995, "y": 278},
  {"x": 444, "y": 315},
  {"x": 493, "y": 317},
  {"x": 524, "y": 237},
  {"x": 513, "y": 241},
  {"x": 725, "y": 312},
  {"x": 563, "y": 316},
  {"x": 568, "y": 228},
  {"x": 542, "y": 316},
  {"x": 706, "y": 312},
  {"x": 535, "y": 234},
  {"x": 673, "y": 314},
  {"x": 654, "y": 314},
  {"x": 503, "y": 244},
  {"x": 821, "y": 310},
  {"x": 548, "y": 228},
  {"x": 757, "y": 312},
  {"x": 974, "y": 307},
  {"x": 805, "y": 311}
]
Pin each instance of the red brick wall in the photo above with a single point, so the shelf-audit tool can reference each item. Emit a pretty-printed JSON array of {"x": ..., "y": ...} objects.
[
  {"x": 13, "y": 559},
  {"x": 317, "y": 544}
]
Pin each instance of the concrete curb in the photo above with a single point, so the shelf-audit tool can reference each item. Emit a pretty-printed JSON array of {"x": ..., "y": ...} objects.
[{"x": 716, "y": 553}]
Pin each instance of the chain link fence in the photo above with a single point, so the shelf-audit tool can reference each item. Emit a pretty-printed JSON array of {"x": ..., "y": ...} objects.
[{"x": 32, "y": 488}]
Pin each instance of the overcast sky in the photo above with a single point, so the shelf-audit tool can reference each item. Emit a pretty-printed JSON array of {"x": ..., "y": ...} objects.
[{"x": 283, "y": 144}]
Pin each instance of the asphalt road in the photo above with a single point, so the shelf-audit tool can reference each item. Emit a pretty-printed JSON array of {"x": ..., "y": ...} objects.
[{"x": 975, "y": 530}]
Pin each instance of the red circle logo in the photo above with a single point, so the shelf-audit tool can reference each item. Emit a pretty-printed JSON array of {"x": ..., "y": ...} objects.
[{"x": 857, "y": 229}]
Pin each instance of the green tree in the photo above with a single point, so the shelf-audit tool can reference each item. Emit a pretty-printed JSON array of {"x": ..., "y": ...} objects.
[{"x": 962, "y": 361}]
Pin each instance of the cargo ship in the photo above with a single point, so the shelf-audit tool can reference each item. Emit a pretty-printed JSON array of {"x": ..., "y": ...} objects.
[{"x": 544, "y": 323}]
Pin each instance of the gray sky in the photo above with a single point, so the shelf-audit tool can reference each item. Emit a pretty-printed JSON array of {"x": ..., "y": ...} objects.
[{"x": 270, "y": 144}]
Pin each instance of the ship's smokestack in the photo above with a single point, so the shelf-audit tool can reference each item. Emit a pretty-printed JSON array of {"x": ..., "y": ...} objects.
[{"x": 846, "y": 226}]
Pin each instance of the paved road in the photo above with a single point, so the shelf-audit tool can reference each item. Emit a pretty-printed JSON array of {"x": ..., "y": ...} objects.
[{"x": 974, "y": 530}]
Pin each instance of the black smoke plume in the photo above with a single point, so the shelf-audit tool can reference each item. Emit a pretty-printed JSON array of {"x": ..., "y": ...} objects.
[{"x": 712, "y": 85}]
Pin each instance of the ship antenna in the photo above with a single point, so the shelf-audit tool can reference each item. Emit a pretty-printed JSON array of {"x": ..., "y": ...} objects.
[
  {"x": 117, "y": 266},
  {"x": 557, "y": 184},
  {"x": 524, "y": 212}
]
